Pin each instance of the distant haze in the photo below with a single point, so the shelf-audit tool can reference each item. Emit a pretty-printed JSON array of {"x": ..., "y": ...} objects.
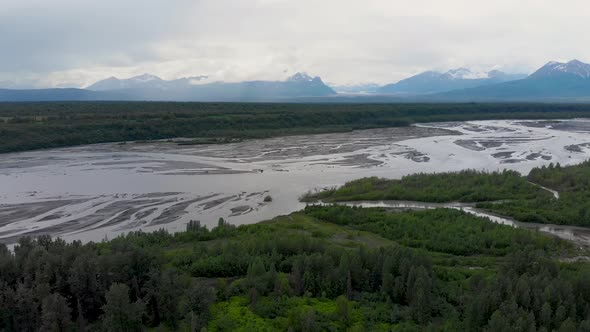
[{"x": 74, "y": 43}]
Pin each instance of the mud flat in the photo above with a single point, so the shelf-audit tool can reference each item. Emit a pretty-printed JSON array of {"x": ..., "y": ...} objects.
[
  {"x": 92, "y": 192},
  {"x": 574, "y": 125},
  {"x": 578, "y": 148}
]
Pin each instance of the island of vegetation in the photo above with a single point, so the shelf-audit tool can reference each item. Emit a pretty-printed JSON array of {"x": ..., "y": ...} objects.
[
  {"x": 529, "y": 198},
  {"x": 27, "y": 126}
]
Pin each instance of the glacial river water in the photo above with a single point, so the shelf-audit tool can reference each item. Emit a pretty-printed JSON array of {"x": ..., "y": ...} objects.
[{"x": 99, "y": 191}]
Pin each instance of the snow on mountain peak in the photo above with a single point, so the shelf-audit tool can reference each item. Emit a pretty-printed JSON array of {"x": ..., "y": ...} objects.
[
  {"x": 578, "y": 68},
  {"x": 145, "y": 78},
  {"x": 458, "y": 73},
  {"x": 574, "y": 67},
  {"x": 464, "y": 73},
  {"x": 194, "y": 80},
  {"x": 300, "y": 77}
]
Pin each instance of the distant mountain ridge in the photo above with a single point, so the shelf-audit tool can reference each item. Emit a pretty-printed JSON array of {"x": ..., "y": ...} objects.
[
  {"x": 150, "y": 87},
  {"x": 434, "y": 82},
  {"x": 553, "y": 81},
  {"x": 144, "y": 81},
  {"x": 572, "y": 69}
]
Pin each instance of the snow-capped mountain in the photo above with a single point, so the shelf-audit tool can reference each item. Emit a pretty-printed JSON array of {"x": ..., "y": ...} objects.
[
  {"x": 145, "y": 78},
  {"x": 301, "y": 77},
  {"x": 554, "y": 81},
  {"x": 434, "y": 82},
  {"x": 145, "y": 81},
  {"x": 196, "y": 88},
  {"x": 465, "y": 74},
  {"x": 574, "y": 68}
]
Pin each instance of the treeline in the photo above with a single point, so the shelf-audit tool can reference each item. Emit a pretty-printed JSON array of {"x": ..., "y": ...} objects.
[
  {"x": 463, "y": 186},
  {"x": 26, "y": 126},
  {"x": 574, "y": 178},
  {"x": 325, "y": 269}
]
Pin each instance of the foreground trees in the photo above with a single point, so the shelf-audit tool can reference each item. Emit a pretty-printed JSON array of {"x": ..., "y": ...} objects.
[
  {"x": 56, "y": 314},
  {"x": 119, "y": 313},
  {"x": 326, "y": 268}
]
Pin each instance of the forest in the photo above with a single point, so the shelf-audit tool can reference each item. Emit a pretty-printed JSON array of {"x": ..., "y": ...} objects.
[
  {"x": 463, "y": 186},
  {"x": 326, "y": 268},
  {"x": 506, "y": 193},
  {"x": 27, "y": 126},
  {"x": 571, "y": 208}
]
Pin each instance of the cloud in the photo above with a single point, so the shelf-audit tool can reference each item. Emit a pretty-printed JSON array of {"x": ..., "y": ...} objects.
[{"x": 74, "y": 43}]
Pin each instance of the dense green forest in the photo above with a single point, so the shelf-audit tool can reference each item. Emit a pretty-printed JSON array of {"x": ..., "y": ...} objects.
[
  {"x": 507, "y": 193},
  {"x": 26, "y": 126},
  {"x": 571, "y": 208},
  {"x": 327, "y": 268},
  {"x": 463, "y": 186}
]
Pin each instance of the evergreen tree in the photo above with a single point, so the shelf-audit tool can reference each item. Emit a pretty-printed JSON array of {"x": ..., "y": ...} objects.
[
  {"x": 498, "y": 322},
  {"x": 119, "y": 313},
  {"x": 26, "y": 309},
  {"x": 419, "y": 294},
  {"x": 344, "y": 310},
  {"x": 199, "y": 299},
  {"x": 85, "y": 286},
  {"x": 55, "y": 314},
  {"x": 568, "y": 325},
  {"x": 546, "y": 315},
  {"x": 162, "y": 292}
]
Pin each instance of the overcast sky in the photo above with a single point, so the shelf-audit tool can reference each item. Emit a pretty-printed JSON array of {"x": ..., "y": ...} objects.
[{"x": 72, "y": 43}]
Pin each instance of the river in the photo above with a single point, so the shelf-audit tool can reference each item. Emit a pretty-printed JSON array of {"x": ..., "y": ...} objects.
[{"x": 98, "y": 191}]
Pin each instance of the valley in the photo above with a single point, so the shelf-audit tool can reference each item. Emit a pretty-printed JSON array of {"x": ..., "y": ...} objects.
[{"x": 94, "y": 192}]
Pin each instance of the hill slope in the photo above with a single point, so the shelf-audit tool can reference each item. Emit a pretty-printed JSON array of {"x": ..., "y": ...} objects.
[
  {"x": 434, "y": 82},
  {"x": 554, "y": 81}
]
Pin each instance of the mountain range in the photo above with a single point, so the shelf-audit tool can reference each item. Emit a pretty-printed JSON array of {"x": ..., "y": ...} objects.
[
  {"x": 145, "y": 81},
  {"x": 556, "y": 81},
  {"x": 553, "y": 82},
  {"x": 435, "y": 82},
  {"x": 150, "y": 87}
]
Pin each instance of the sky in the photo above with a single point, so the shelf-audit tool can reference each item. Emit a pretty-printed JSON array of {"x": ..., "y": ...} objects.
[{"x": 73, "y": 43}]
